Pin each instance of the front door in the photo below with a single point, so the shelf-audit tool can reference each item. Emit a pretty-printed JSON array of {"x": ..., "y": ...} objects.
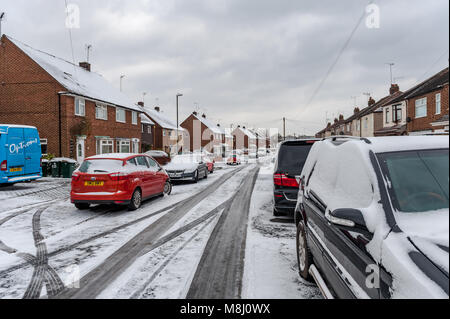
[{"x": 80, "y": 150}]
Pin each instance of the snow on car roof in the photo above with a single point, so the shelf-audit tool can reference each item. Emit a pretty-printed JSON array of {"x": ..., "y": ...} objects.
[
  {"x": 76, "y": 79},
  {"x": 7, "y": 126},
  {"x": 119, "y": 156},
  {"x": 406, "y": 143}
]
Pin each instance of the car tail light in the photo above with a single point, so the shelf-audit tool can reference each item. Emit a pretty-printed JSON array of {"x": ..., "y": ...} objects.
[
  {"x": 75, "y": 177},
  {"x": 283, "y": 180},
  {"x": 118, "y": 176},
  {"x": 4, "y": 165}
]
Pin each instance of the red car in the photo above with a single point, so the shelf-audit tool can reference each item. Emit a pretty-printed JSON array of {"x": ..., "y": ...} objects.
[
  {"x": 234, "y": 160},
  {"x": 122, "y": 179},
  {"x": 210, "y": 164}
]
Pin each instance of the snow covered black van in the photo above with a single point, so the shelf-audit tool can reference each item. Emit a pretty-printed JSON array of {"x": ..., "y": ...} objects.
[{"x": 20, "y": 154}]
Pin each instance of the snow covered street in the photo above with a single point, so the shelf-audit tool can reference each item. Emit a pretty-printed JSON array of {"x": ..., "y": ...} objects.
[{"x": 166, "y": 249}]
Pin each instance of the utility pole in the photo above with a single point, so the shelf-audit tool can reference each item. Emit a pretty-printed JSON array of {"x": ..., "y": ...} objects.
[
  {"x": 284, "y": 129},
  {"x": 390, "y": 68},
  {"x": 178, "y": 96},
  {"x": 121, "y": 78},
  {"x": 2, "y": 17},
  {"x": 88, "y": 49}
]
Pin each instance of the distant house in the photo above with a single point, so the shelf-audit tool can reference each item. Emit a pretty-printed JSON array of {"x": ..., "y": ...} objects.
[
  {"x": 165, "y": 132},
  {"x": 394, "y": 117},
  {"x": 77, "y": 112},
  {"x": 244, "y": 139},
  {"x": 227, "y": 140},
  {"x": 427, "y": 105},
  {"x": 203, "y": 134},
  {"x": 147, "y": 128}
]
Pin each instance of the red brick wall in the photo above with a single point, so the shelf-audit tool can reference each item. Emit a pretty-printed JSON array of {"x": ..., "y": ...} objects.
[
  {"x": 29, "y": 96},
  {"x": 423, "y": 124},
  {"x": 109, "y": 128}
]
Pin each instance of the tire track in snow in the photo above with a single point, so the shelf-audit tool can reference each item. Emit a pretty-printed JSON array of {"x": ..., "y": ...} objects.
[
  {"x": 177, "y": 205},
  {"x": 93, "y": 283},
  {"x": 43, "y": 273}
]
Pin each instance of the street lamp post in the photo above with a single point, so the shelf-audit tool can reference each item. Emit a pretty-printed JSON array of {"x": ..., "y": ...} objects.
[{"x": 178, "y": 96}]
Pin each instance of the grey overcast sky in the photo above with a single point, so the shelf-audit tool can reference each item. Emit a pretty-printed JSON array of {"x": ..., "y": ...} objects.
[{"x": 247, "y": 62}]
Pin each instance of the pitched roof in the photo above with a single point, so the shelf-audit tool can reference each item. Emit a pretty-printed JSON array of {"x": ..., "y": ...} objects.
[
  {"x": 146, "y": 120},
  {"x": 76, "y": 79},
  {"x": 247, "y": 132},
  {"x": 429, "y": 85},
  {"x": 162, "y": 120},
  {"x": 214, "y": 128},
  {"x": 382, "y": 102}
]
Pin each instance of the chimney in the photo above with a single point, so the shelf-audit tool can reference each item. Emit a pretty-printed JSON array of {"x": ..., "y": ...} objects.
[
  {"x": 195, "y": 113},
  {"x": 335, "y": 121},
  {"x": 86, "y": 66},
  {"x": 141, "y": 104},
  {"x": 341, "y": 117},
  {"x": 218, "y": 125},
  {"x": 157, "y": 109},
  {"x": 328, "y": 125},
  {"x": 204, "y": 116},
  {"x": 239, "y": 126},
  {"x": 371, "y": 101},
  {"x": 243, "y": 127},
  {"x": 394, "y": 89},
  {"x": 356, "y": 110}
]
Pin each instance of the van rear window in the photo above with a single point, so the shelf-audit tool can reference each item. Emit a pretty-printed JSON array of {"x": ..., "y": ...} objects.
[
  {"x": 292, "y": 158},
  {"x": 101, "y": 166}
]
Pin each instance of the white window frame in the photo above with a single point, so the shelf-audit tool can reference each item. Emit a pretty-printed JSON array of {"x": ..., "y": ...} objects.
[
  {"x": 104, "y": 109},
  {"x": 119, "y": 111},
  {"x": 80, "y": 106},
  {"x": 134, "y": 118},
  {"x": 387, "y": 118},
  {"x": 422, "y": 105},
  {"x": 438, "y": 104},
  {"x": 120, "y": 143},
  {"x": 104, "y": 142}
]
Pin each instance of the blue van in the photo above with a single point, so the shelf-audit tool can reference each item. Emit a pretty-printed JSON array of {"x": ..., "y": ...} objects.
[{"x": 20, "y": 154}]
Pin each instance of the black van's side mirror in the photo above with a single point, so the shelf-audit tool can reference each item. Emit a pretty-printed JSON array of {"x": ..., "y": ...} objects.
[{"x": 348, "y": 218}]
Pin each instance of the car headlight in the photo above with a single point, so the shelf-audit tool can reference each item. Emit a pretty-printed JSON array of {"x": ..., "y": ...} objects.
[{"x": 190, "y": 171}]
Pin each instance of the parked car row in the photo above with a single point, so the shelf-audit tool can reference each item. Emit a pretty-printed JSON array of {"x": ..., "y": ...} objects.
[{"x": 372, "y": 214}]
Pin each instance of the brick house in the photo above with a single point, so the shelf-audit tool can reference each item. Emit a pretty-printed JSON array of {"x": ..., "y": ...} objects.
[
  {"x": 147, "y": 129},
  {"x": 244, "y": 139},
  {"x": 77, "y": 112},
  {"x": 427, "y": 106},
  {"x": 203, "y": 134},
  {"x": 165, "y": 131},
  {"x": 394, "y": 117}
]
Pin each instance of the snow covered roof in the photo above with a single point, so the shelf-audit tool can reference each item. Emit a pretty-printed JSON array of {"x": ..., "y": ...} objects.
[
  {"x": 247, "y": 132},
  {"x": 162, "y": 120},
  {"x": 214, "y": 128},
  {"x": 146, "y": 120},
  {"x": 76, "y": 79}
]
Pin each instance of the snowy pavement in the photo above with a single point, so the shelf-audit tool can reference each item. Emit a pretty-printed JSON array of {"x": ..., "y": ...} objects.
[{"x": 50, "y": 249}]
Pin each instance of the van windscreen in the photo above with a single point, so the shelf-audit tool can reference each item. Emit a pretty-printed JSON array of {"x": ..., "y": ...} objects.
[{"x": 292, "y": 158}]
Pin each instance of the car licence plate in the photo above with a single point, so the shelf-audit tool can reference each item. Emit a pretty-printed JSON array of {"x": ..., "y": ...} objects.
[
  {"x": 94, "y": 183},
  {"x": 16, "y": 169},
  {"x": 175, "y": 175}
]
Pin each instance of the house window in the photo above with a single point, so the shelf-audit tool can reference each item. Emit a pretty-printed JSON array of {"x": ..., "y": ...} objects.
[
  {"x": 44, "y": 144},
  {"x": 397, "y": 113},
  {"x": 134, "y": 118},
  {"x": 387, "y": 115},
  {"x": 80, "y": 107},
  {"x": 421, "y": 107},
  {"x": 120, "y": 115},
  {"x": 358, "y": 126},
  {"x": 104, "y": 147},
  {"x": 438, "y": 103},
  {"x": 149, "y": 130},
  {"x": 142, "y": 128},
  {"x": 349, "y": 127},
  {"x": 164, "y": 132},
  {"x": 101, "y": 112},
  {"x": 123, "y": 146},
  {"x": 366, "y": 123}
]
